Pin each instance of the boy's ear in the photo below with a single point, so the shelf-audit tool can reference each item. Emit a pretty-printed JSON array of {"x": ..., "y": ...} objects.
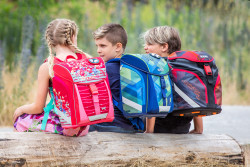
[
  {"x": 164, "y": 47},
  {"x": 118, "y": 47}
]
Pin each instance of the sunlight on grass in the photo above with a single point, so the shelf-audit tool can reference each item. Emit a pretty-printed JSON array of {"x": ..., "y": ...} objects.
[{"x": 14, "y": 94}]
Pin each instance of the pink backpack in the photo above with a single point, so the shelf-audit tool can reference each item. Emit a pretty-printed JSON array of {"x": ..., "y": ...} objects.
[{"x": 81, "y": 92}]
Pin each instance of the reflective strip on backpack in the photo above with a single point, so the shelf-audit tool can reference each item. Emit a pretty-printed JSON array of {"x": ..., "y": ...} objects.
[
  {"x": 185, "y": 97},
  {"x": 164, "y": 108},
  {"x": 132, "y": 104},
  {"x": 64, "y": 117},
  {"x": 97, "y": 117}
]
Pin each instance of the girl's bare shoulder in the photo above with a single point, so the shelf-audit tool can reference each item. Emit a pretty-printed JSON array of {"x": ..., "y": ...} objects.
[
  {"x": 44, "y": 66},
  {"x": 44, "y": 70}
]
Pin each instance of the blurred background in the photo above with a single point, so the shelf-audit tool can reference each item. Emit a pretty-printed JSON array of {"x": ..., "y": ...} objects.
[{"x": 219, "y": 27}]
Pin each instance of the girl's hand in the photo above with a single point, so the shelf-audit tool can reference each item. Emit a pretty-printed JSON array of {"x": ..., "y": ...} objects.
[{"x": 17, "y": 113}]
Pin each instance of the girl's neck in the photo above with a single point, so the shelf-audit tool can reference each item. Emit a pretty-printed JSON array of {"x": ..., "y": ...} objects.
[{"x": 63, "y": 51}]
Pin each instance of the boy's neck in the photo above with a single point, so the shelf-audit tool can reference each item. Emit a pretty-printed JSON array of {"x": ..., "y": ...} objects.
[
  {"x": 164, "y": 55},
  {"x": 118, "y": 56}
]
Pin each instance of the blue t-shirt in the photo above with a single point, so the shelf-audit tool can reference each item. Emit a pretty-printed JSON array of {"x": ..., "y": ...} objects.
[{"x": 113, "y": 71}]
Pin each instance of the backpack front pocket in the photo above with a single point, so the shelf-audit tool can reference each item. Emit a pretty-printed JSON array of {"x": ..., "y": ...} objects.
[
  {"x": 132, "y": 90},
  {"x": 94, "y": 107},
  {"x": 190, "y": 90}
]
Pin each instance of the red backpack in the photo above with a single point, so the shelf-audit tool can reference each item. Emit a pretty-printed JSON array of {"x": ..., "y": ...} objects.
[
  {"x": 81, "y": 92},
  {"x": 197, "y": 84}
]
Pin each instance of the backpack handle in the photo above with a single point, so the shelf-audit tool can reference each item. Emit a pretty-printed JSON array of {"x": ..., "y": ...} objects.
[{"x": 70, "y": 57}]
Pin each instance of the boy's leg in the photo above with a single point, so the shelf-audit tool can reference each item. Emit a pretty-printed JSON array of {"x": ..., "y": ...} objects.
[{"x": 92, "y": 128}]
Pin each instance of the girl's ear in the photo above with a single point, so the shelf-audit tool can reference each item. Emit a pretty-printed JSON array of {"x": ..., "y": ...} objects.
[
  {"x": 164, "y": 47},
  {"x": 118, "y": 47}
]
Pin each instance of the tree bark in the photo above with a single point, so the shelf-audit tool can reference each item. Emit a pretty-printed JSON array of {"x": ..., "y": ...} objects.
[{"x": 116, "y": 149}]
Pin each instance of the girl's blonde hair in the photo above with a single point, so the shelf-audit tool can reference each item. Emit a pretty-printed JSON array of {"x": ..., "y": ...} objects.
[{"x": 60, "y": 32}]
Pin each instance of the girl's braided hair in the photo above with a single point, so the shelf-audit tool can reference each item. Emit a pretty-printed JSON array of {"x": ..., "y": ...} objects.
[{"x": 60, "y": 32}]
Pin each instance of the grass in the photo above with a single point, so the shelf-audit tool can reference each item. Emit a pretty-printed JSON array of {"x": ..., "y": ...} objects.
[
  {"x": 232, "y": 95},
  {"x": 13, "y": 95}
]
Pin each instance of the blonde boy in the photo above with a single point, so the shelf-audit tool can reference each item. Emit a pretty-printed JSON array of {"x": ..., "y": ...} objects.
[{"x": 164, "y": 40}]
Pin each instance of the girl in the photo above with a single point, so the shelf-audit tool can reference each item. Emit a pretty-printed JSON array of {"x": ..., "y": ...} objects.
[
  {"x": 61, "y": 37},
  {"x": 164, "y": 40}
]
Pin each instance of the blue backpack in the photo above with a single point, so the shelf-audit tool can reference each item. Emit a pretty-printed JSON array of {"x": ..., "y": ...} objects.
[{"x": 146, "y": 89}]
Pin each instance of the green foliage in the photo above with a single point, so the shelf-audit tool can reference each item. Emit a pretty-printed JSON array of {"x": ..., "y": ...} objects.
[
  {"x": 219, "y": 27},
  {"x": 12, "y": 14}
]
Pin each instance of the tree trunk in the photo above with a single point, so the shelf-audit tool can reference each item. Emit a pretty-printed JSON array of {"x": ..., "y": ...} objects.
[{"x": 116, "y": 149}]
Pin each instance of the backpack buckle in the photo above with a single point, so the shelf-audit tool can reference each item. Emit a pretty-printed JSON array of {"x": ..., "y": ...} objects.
[
  {"x": 95, "y": 99},
  {"x": 207, "y": 69}
]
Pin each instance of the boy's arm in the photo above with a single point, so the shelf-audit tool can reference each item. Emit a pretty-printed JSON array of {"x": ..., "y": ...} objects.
[
  {"x": 198, "y": 125},
  {"x": 150, "y": 124}
]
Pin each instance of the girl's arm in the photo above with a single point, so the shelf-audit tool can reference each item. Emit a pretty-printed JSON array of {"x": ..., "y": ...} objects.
[
  {"x": 198, "y": 125},
  {"x": 150, "y": 125},
  {"x": 38, "y": 105}
]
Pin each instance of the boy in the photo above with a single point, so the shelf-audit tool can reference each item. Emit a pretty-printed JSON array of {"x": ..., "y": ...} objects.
[
  {"x": 111, "y": 40},
  {"x": 164, "y": 40}
]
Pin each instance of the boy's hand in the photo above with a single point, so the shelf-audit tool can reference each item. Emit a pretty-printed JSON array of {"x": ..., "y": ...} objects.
[
  {"x": 194, "y": 131},
  {"x": 198, "y": 126},
  {"x": 17, "y": 113},
  {"x": 149, "y": 131}
]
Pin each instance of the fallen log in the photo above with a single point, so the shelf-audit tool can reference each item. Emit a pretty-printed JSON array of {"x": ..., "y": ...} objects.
[{"x": 117, "y": 149}]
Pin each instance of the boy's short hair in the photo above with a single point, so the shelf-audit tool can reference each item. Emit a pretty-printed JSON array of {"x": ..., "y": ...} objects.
[
  {"x": 162, "y": 35},
  {"x": 114, "y": 33}
]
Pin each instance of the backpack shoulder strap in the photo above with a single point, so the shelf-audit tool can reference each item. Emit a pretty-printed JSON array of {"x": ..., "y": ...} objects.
[
  {"x": 80, "y": 56},
  {"x": 137, "y": 124},
  {"x": 118, "y": 104},
  {"x": 117, "y": 60},
  {"x": 48, "y": 108}
]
